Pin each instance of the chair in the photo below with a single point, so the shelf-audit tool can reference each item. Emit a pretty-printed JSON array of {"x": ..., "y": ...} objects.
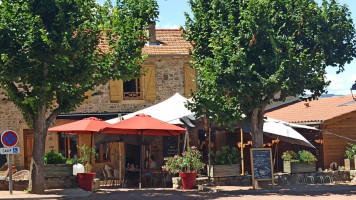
[
  {"x": 21, "y": 175},
  {"x": 107, "y": 177},
  {"x": 168, "y": 180},
  {"x": 154, "y": 179}
]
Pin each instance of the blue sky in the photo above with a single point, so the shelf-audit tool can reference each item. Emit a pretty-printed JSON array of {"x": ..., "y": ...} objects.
[{"x": 172, "y": 16}]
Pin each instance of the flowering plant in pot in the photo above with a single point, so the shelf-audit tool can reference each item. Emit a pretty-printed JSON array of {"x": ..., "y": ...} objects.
[{"x": 187, "y": 165}]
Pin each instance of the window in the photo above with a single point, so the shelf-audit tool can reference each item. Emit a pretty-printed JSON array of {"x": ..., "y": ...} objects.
[
  {"x": 136, "y": 89},
  {"x": 132, "y": 89},
  {"x": 102, "y": 152},
  {"x": 68, "y": 145}
]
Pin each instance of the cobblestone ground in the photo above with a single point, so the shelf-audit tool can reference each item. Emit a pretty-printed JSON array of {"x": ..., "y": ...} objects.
[{"x": 325, "y": 192}]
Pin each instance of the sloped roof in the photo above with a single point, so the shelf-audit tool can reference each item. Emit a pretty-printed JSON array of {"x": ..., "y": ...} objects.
[
  {"x": 314, "y": 111},
  {"x": 171, "y": 43}
]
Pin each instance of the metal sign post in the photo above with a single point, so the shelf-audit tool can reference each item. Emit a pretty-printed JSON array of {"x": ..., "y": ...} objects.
[
  {"x": 10, "y": 173},
  {"x": 9, "y": 139}
]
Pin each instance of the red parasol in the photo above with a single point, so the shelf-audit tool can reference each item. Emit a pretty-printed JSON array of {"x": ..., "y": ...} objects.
[{"x": 142, "y": 124}]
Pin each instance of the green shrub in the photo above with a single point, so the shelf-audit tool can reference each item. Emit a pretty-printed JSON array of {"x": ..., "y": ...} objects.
[
  {"x": 350, "y": 151},
  {"x": 227, "y": 156},
  {"x": 306, "y": 156},
  {"x": 289, "y": 156},
  {"x": 301, "y": 156},
  {"x": 52, "y": 157}
]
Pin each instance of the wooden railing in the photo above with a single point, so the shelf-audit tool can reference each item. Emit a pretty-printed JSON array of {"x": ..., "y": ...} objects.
[{"x": 133, "y": 96}]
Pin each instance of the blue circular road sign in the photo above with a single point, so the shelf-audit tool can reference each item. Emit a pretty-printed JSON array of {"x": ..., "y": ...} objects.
[{"x": 9, "y": 138}]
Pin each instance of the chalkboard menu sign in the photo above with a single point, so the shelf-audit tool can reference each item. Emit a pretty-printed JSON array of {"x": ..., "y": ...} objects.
[
  {"x": 170, "y": 146},
  {"x": 261, "y": 164}
]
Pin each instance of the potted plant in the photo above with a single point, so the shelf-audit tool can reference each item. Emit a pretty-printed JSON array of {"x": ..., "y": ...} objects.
[
  {"x": 350, "y": 156},
  {"x": 226, "y": 163},
  {"x": 85, "y": 179},
  {"x": 187, "y": 165},
  {"x": 303, "y": 161},
  {"x": 55, "y": 165}
]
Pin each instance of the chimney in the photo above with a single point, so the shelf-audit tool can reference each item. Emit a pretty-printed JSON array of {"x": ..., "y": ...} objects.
[{"x": 152, "y": 34}]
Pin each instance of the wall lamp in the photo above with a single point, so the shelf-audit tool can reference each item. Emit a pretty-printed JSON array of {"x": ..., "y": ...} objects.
[{"x": 353, "y": 88}]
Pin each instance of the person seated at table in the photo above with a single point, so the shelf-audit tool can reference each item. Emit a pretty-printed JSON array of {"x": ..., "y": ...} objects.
[{"x": 152, "y": 166}]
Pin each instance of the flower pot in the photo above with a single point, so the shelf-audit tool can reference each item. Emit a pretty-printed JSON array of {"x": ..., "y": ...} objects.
[
  {"x": 58, "y": 170},
  {"x": 349, "y": 164},
  {"x": 298, "y": 167},
  {"x": 86, "y": 180},
  {"x": 188, "y": 179},
  {"x": 224, "y": 170}
]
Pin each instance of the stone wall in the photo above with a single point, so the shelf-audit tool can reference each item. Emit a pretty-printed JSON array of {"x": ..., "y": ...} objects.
[
  {"x": 169, "y": 80},
  {"x": 51, "y": 183},
  {"x": 222, "y": 181},
  {"x": 314, "y": 177}
]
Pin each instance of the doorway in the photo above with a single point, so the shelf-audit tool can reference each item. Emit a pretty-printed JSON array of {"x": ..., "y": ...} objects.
[{"x": 28, "y": 145}]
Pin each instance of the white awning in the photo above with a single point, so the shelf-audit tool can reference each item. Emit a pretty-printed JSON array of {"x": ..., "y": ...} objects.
[{"x": 170, "y": 111}]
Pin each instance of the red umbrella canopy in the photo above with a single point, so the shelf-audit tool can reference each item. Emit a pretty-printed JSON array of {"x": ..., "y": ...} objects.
[
  {"x": 84, "y": 126},
  {"x": 145, "y": 125}
]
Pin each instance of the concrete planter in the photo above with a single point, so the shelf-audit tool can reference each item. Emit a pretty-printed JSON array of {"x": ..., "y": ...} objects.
[
  {"x": 58, "y": 170},
  {"x": 224, "y": 170},
  {"x": 298, "y": 167},
  {"x": 349, "y": 164}
]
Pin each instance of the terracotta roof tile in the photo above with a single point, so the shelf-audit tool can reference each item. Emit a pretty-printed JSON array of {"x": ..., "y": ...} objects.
[
  {"x": 317, "y": 110},
  {"x": 172, "y": 43}
]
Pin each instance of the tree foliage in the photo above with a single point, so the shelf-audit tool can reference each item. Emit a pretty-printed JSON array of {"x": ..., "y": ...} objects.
[
  {"x": 249, "y": 53},
  {"x": 52, "y": 52}
]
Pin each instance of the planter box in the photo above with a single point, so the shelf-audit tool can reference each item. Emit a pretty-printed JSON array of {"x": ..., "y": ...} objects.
[
  {"x": 225, "y": 170},
  {"x": 58, "y": 170},
  {"x": 298, "y": 167},
  {"x": 349, "y": 164}
]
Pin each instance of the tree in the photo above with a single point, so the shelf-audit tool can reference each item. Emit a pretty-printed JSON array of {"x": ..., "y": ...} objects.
[
  {"x": 52, "y": 54},
  {"x": 249, "y": 53}
]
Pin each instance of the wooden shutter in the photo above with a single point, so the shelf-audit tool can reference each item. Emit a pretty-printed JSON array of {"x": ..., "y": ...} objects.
[
  {"x": 189, "y": 80},
  {"x": 150, "y": 82},
  {"x": 88, "y": 94},
  {"x": 116, "y": 90}
]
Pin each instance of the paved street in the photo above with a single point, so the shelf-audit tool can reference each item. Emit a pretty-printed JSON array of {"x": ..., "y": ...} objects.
[
  {"x": 325, "y": 192},
  {"x": 322, "y": 192}
]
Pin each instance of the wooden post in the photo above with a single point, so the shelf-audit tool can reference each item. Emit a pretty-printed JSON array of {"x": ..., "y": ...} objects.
[{"x": 242, "y": 153}]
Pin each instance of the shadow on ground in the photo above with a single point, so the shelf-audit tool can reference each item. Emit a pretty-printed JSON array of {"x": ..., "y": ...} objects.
[{"x": 150, "y": 194}]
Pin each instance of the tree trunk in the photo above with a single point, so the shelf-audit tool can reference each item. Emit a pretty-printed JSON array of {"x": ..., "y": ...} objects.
[
  {"x": 257, "y": 126},
  {"x": 37, "y": 181}
]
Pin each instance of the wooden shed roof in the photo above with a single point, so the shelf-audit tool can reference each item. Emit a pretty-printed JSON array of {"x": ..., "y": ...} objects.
[{"x": 314, "y": 111}]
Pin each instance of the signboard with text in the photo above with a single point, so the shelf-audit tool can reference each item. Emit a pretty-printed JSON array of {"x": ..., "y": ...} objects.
[
  {"x": 10, "y": 150},
  {"x": 261, "y": 165}
]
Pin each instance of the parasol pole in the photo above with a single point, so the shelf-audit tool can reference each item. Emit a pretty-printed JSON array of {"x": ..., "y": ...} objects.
[
  {"x": 91, "y": 145},
  {"x": 139, "y": 185}
]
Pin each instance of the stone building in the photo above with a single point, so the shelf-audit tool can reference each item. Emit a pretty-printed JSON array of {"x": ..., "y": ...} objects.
[{"x": 166, "y": 73}]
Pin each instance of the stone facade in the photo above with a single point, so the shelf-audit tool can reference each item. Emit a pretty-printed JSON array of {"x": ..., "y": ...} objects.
[{"x": 169, "y": 80}]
